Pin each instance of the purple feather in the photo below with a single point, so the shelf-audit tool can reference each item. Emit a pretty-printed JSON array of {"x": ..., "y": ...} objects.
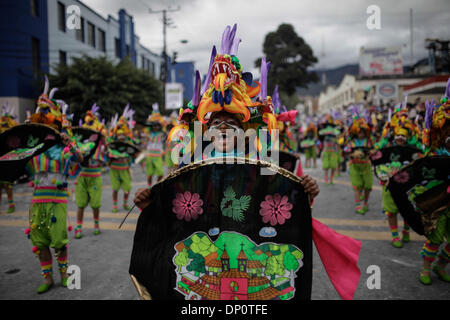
[
  {"x": 208, "y": 75},
  {"x": 428, "y": 114},
  {"x": 225, "y": 45},
  {"x": 276, "y": 99},
  {"x": 231, "y": 36},
  {"x": 95, "y": 108},
  {"x": 197, "y": 85},
  {"x": 80, "y": 123},
  {"x": 235, "y": 47},
  {"x": 47, "y": 85},
  {"x": 263, "y": 80}
]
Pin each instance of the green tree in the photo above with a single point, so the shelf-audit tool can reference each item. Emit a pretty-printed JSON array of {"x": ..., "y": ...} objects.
[
  {"x": 291, "y": 264},
  {"x": 181, "y": 259},
  {"x": 290, "y": 58},
  {"x": 112, "y": 86},
  {"x": 197, "y": 264},
  {"x": 274, "y": 267}
]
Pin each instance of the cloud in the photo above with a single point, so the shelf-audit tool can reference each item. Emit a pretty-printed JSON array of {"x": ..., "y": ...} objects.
[{"x": 330, "y": 27}]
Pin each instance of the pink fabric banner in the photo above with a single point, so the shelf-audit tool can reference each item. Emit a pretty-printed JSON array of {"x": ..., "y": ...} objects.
[{"x": 339, "y": 255}]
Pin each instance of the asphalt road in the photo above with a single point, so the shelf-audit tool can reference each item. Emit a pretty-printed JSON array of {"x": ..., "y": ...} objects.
[{"x": 104, "y": 259}]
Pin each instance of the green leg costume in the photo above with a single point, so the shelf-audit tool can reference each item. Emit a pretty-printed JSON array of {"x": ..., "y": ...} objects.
[
  {"x": 329, "y": 160},
  {"x": 154, "y": 166}
]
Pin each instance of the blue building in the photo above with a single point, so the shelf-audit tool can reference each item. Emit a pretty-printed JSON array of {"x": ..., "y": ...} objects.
[
  {"x": 37, "y": 35},
  {"x": 183, "y": 72}
]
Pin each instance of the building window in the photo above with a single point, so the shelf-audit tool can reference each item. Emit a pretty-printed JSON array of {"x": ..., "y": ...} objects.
[
  {"x": 35, "y": 8},
  {"x": 101, "y": 40},
  {"x": 79, "y": 33},
  {"x": 35, "y": 49},
  {"x": 117, "y": 47},
  {"x": 91, "y": 34},
  {"x": 63, "y": 58},
  {"x": 152, "y": 68},
  {"x": 128, "y": 50},
  {"x": 61, "y": 17}
]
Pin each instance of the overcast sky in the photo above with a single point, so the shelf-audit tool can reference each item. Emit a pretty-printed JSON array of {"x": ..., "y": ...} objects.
[{"x": 336, "y": 28}]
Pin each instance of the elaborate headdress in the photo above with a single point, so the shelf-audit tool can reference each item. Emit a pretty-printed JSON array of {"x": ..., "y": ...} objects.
[
  {"x": 227, "y": 87},
  {"x": 399, "y": 124},
  {"x": 359, "y": 122},
  {"x": 91, "y": 120},
  {"x": 7, "y": 119},
  {"x": 48, "y": 110},
  {"x": 123, "y": 125},
  {"x": 437, "y": 119},
  {"x": 155, "y": 117}
]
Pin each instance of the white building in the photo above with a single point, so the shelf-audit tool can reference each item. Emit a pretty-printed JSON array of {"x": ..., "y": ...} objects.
[
  {"x": 95, "y": 37},
  {"x": 337, "y": 97}
]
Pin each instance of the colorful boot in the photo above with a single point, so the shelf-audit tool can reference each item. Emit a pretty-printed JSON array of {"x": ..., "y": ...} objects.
[
  {"x": 396, "y": 243},
  {"x": 365, "y": 207},
  {"x": 440, "y": 272},
  {"x": 114, "y": 210},
  {"x": 46, "y": 268},
  {"x": 78, "y": 229},
  {"x": 62, "y": 266},
  {"x": 125, "y": 202},
  {"x": 424, "y": 277},
  {"x": 405, "y": 236},
  {"x": 97, "y": 228},
  {"x": 444, "y": 259},
  {"x": 359, "y": 208},
  {"x": 405, "y": 233}
]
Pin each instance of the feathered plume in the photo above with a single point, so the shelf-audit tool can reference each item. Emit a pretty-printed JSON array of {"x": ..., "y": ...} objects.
[
  {"x": 276, "y": 102},
  {"x": 264, "y": 72},
  {"x": 429, "y": 108},
  {"x": 47, "y": 85},
  {"x": 198, "y": 82},
  {"x": 228, "y": 39},
  {"x": 208, "y": 75},
  {"x": 52, "y": 93},
  {"x": 95, "y": 109}
]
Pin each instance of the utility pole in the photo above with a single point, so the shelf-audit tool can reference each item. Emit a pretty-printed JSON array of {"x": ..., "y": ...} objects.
[
  {"x": 411, "y": 35},
  {"x": 166, "y": 23}
]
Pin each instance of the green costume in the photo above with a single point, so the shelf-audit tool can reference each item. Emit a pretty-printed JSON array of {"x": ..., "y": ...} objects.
[
  {"x": 89, "y": 188},
  {"x": 330, "y": 156}
]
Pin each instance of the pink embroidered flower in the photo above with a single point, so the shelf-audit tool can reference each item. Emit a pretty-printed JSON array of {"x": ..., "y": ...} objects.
[
  {"x": 401, "y": 177},
  {"x": 276, "y": 209},
  {"x": 377, "y": 155},
  {"x": 187, "y": 206},
  {"x": 93, "y": 137},
  {"x": 50, "y": 137}
]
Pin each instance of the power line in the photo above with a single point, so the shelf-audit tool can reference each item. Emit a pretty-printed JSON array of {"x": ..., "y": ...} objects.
[{"x": 167, "y": 22}]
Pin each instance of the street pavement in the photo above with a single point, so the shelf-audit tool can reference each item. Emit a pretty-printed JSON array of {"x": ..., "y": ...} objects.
[{"x": 104, "y": 259}]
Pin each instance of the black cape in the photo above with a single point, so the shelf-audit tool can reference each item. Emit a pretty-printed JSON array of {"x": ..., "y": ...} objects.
[
  {"x": 20, "y": 144},
  {"x": 420, "y": 191},
  {"x": 225, "y": 231}
]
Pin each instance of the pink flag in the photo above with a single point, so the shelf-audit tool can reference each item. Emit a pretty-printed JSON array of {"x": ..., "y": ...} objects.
[{"x": 339, "y": 255}]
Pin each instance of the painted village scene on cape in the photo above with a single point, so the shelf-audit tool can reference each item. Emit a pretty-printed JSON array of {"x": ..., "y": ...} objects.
[{"x": 197, "y": 150}]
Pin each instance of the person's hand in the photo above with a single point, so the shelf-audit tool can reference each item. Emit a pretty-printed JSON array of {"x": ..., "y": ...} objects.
[
  {"x": 310, "y": 185},
  {"x": 142, "y": 198}
]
